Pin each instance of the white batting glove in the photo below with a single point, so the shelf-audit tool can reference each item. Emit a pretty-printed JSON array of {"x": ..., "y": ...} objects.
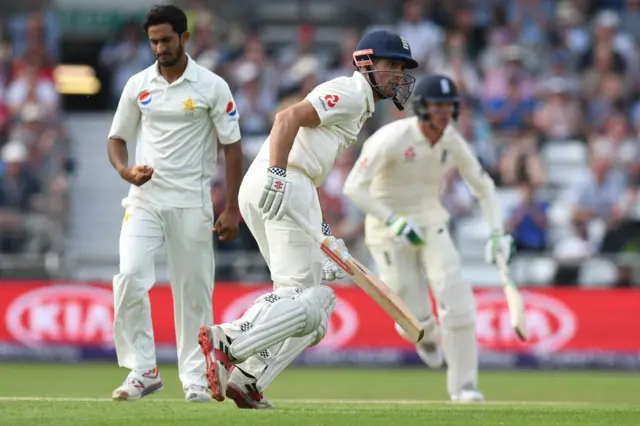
[
  {"x": 403, "y": 229},
  {"x": 331, "y": 271},
  {"x": 273, "y": 200},
  {"x": 499, "y": 244}
]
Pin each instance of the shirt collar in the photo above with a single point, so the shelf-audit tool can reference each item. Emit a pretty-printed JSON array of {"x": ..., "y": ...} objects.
[
  {"x": 190, "y": 73},
  {"x": 371, "y": 105}
]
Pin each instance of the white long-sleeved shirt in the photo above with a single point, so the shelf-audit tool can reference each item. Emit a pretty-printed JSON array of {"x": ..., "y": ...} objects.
[
  {"x": 176, "y": 127},
  {"x": 400, "y": 172}
]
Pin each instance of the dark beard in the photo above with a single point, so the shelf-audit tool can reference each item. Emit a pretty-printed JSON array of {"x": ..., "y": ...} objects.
[{"x": 175, "y": 60}]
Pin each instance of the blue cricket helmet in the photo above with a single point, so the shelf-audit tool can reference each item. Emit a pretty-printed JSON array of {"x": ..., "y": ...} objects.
[
  {"x": 435, "y": 88},
  {"x": 388, "y": 45}
]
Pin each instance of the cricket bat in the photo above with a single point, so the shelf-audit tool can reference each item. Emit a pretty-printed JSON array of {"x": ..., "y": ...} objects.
[
  {"x": 373, "y": 286},
  {"x": 517, "y": 313}
]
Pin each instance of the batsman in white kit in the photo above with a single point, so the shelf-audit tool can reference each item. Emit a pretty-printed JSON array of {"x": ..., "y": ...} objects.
[
  {"x": 397, "y": 182},
  {"x": 244, "y": 356},
  {"x": 177, "y": 112}
]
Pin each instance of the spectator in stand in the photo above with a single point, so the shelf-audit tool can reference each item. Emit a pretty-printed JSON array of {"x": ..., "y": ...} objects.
[
  {"x": 527, "y": 222},
  {"x": 558, "y": 115},
  {"x": 125, "y": 55},
  {"x": 254, "y": 100},
  {"x": 599, "y": 197}
]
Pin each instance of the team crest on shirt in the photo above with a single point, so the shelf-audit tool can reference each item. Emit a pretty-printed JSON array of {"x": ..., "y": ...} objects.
[
  {"x": 409, "y": 154},
  {"x": 189, "y": 106}
]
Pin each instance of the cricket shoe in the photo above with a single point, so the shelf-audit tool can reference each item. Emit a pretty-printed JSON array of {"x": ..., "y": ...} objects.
[
  {"x": 196, "y": 393},
  {"x": 243, "y": 391},
  {"x": 214, "y": 345},
  {"x": 430, "y": 354},
  {"x": 469, "y": 394},
  {"x": 138, "y": 385}
]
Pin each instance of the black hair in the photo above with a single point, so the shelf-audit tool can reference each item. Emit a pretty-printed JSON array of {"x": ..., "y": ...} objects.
[{"x": 166, "y": 14}]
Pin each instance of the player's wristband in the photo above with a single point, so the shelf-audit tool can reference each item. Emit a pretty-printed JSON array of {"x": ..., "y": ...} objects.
[
  {"x": 277, "y": 171},
  {"x": 326, "y": 230}
]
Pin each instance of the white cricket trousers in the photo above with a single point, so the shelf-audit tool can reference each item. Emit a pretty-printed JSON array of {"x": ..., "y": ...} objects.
[
  {"x": 188, "y": 240},
  {"x": 292, "y": 256},
  {"x": 403, "y": 268}
]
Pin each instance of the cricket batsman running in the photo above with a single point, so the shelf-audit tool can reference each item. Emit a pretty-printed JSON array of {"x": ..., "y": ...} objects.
[
  {"x": 397, "y": 182},
  {"x": 244, "y": 356},
  {"x": 177, "y": 112}
]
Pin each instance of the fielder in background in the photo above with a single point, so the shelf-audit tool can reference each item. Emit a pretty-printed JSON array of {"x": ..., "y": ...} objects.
[
  {"x": 305, "y": 140},
  {"x": 397, "y": 182},
  {"x": 177, "y": 112}
]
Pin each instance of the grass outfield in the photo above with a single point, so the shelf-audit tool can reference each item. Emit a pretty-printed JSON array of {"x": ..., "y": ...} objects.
[{"x": 64, "y": 395}]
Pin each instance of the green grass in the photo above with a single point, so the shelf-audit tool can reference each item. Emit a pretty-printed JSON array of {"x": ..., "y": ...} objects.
[{"x": 64, "y": 395}]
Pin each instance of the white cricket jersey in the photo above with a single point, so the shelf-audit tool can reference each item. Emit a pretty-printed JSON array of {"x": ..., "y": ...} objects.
[
  {"x": 404, "y": 175},
  {"x": 343, "y": 105},
  {"x": 176, "y": 127}
]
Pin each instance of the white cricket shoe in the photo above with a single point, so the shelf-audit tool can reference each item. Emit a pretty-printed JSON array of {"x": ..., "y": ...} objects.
[
  {"x": 243, "y": 391},
  {"x": 137, "y": 385},
  {"x": 196, "y": 393},
  {"x": 431, "y": 354},
  {"x": 468, "y": 395},
  {"x": 214, "y": 345}
]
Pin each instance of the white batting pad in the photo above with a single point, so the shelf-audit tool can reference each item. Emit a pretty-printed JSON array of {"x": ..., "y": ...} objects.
[{"x": 280, "y": 318}]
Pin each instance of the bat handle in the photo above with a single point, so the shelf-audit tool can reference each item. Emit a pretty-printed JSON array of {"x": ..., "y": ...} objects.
[{"x": 501, "y": 263}]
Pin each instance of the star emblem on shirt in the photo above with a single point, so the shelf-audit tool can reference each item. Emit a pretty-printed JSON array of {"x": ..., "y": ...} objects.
[{"x": 189, "y": 105}]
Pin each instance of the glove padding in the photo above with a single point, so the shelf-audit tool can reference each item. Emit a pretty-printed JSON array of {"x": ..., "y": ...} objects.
[
  {"x": 331, "y": 271},
  {"x": 403, "y": 229},
  {"x": 499, "y": 244},
  {"x": 273, "y": 200}
]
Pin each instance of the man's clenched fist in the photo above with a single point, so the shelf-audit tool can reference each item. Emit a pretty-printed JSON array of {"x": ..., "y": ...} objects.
[{"x": 137, "y": 175}]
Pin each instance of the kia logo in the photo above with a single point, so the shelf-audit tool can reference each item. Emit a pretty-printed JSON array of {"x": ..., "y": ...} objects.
[
  {"x": 551, "y": 324},
  {"x": 62, "y": 314},
  {"x": 343, "y": 324}
]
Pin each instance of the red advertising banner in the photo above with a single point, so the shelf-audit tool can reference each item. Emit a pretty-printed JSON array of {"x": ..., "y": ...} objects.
[{"x": 38, "y": 314}]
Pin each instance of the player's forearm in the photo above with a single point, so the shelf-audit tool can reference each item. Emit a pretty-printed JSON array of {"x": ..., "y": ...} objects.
[
  {"x": 369, "y": 204},
  {"x": 233, "y": 159},
  {"x": 283, "y": 134},
  {"x": 118, "y": 154}
]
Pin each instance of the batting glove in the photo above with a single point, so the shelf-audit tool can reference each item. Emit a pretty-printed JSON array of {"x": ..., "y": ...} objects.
[
  {"x": 405, "y": 230},
  {"x": 331, "y": 271},
  {"x": 273, "y": 200},
  {"x": 499, "y": 244}
]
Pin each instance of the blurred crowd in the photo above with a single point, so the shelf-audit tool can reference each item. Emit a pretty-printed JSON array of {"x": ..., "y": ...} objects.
[
  {"x": 35, "y": 160},
  {"x": 538, "y": 78},
  {"x": 534, "y": 74}
]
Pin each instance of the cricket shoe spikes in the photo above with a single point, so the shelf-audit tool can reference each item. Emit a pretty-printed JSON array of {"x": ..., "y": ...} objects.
[{"x": 214, "y": 345}]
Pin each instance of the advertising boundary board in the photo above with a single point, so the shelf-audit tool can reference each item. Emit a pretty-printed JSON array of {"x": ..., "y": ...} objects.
[{"x": 568, "y": 327}]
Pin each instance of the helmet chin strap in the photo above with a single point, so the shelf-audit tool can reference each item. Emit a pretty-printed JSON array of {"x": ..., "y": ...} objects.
[{"x": 374, "y": 86}]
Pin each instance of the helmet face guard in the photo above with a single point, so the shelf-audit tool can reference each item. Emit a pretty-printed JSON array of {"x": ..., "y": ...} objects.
[
  {"x": 421, "y": 107},
  {"x": 363, "y": 59}
]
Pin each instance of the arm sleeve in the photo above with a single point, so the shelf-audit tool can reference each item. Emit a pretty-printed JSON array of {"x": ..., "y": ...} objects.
[
  {"x": 373, "y": 158},
  {"x": 480, "y": 183},
  {"x": 224, "y": 114},
  {"x": 336, "y": 103},
  {"x": 127, "y": 118}
]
